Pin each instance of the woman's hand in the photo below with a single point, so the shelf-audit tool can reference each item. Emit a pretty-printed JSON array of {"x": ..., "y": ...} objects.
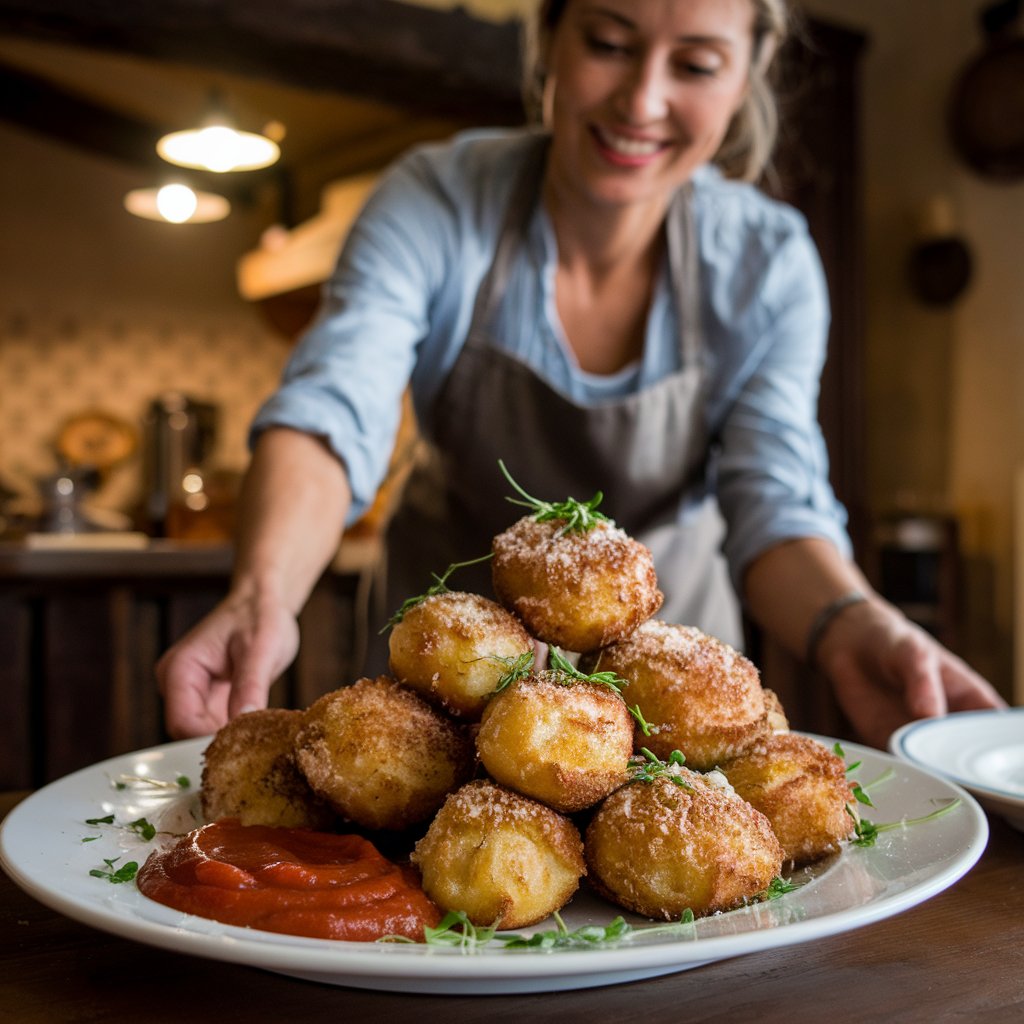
[
  {"x": 226, "y": 664},
  {"x": 886, "y": 671}
]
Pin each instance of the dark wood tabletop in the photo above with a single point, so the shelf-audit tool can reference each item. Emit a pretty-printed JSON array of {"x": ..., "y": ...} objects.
[{"x": 956, "y": 957}]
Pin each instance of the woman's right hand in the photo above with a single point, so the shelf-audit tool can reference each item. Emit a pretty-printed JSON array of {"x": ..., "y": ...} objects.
[{"x": 226, "y": 664}]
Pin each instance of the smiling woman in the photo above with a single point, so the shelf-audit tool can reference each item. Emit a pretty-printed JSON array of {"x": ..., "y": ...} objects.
[{"x": 607, "y": 305}]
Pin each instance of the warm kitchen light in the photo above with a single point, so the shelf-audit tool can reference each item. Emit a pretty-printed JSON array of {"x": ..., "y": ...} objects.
[
  {"x": 177, "y": 204},
  {"x": 218, "y": 147}
]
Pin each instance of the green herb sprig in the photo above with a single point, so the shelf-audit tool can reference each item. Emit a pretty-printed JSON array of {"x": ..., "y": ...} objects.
[
  {"x": 565, "y": 668},
  {"x": 647, "y": 766},
  {"x": 141, "y": 827},
  {"x": 867, "y": 832},
  {"x": 439, "y": 586},
  {"x": 515, "y": 669},
  {"x": 578, "y": 516},
  {"x": 144, "y": 781},
  {"x": 125, "y": 873}
]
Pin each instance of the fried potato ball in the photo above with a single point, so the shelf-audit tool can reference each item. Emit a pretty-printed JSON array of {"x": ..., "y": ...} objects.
[
  {"x": 566, "y": 743},
  {"x": 802, "y": 788},
  {"x": 499, "y": 856},
  {"x": 445, "y": 648},
  {"x": 380, "y": 755},
  {"x": 698, "y": 694},
  {"x": 660, "y": 848},
  {"x": 777, "y": 720},
  {"x": 249, "y": 773},
  {"x": 579, "y": 591}
]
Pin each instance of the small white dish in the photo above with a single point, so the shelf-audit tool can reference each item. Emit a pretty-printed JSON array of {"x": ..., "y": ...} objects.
[
  {"x": 981, "y": 750},
  {"x": 48, "y": 847}
]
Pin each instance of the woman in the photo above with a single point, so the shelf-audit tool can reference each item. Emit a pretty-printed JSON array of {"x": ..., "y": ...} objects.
[{"x": 604, "y": 307}]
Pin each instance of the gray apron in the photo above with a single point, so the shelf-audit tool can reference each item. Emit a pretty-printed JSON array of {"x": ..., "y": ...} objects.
[{"x": 648, "y": 452}]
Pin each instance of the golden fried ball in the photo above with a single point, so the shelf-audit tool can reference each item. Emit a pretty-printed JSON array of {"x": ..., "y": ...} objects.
[
  {"x": 659, "y": 848},
  {"x": 801, "y": 787},
  {"x": 499, "y": 856},
  {"x": 380, "y": 755},
  {"x": 249, "y": 773},
  {"x": 565, "y": 745},
  {"x": 698, "y": 694},
  {"x": 777, "y": 720},
  {"x": 445, "y": 648},
  {"x": 579, "y": 591}
]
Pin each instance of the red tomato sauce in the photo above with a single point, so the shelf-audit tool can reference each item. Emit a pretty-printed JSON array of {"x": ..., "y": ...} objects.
[{"x": 288, "y": 880}]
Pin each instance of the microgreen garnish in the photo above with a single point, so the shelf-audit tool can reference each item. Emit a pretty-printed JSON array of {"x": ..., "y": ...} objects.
[
  {"x": 125, "y": 873},
  {"x": 457, "y": 931},
  {"x": 439, "y": 586},
  {"x": 561, "y": 938},
  {"x": 779, "y": 887},
  {"x": 454, "y": 929},
  {"x": 578, "y": 516},
  {"x": 867, "y": 832},
  {"x": 124, "y": 781},
  {"x": 647, "y": 766},
  {"x": 560, "y": 664},
  {"x": 143, "y": 828},
  {"x": 515, "y": 669}
]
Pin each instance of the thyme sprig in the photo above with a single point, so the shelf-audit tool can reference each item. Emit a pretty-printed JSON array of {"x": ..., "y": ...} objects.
[
  {"x": 515, "y": 669},
  {"x": 558, "y": 661},
  {"x": 578, "y": 516},
  {"x": 561, "y": 665},
  {"x": 647, "y": 766},
  {"x": 439, "y": 586}
]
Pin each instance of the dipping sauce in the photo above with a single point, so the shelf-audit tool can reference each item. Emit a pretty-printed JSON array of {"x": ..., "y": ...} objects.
[{"x": 288, "y": 880}]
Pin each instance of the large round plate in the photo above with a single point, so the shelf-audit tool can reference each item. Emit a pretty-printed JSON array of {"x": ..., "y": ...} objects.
[
  {"x": 983, "y": 751},
  {"x": 44, "y": 849}
]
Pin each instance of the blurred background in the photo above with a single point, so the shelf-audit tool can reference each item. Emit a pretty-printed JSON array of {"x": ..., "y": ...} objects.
[{"x": 134, "y": 351}]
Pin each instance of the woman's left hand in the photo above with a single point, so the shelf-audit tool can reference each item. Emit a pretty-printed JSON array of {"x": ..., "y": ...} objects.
[{"x": 887, "y": 671}]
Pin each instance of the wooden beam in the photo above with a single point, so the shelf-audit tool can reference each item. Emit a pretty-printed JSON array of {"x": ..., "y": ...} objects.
[{"x": 442, "y": 63}]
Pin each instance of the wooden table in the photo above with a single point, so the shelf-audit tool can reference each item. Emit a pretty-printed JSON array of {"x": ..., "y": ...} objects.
[{"x": 959, "y": 956}]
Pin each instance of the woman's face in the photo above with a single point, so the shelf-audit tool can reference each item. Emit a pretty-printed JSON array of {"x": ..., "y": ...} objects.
[{"x": 641, "y": 92}]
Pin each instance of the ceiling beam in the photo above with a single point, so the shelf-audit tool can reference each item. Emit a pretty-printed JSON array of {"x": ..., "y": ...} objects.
[{"x": 444, "y": 63}]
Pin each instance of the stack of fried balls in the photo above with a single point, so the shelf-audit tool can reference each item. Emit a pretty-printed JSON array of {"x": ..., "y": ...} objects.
[{"x": 644, "y": 756}]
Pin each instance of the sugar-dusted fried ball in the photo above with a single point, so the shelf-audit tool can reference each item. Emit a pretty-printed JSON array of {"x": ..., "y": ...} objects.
[
  {"x": 380, "y": 755},
  {"x": 499, "y": 856},
  {"x": 249, "y": 773},
  {"x": 680, "y": 842},
  {"x": 698, "y": 694},
  {"x": 777, "y": 720},
  {"x": 564, "y": 742},
  {"x": 447, "y": 649},
  {"x": 576, "y": 590},
  {"x": 802, "y": 788}
]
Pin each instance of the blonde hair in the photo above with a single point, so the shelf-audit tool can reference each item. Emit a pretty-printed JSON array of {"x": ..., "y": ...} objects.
[{"x": 750, "y": 137}]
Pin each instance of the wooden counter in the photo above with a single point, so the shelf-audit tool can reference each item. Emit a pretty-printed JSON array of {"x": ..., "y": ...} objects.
[{"x": 81, "y": 629}]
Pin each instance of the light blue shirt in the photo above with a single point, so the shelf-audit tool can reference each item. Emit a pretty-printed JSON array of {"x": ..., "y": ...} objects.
[{"x": 398, "y": 307}]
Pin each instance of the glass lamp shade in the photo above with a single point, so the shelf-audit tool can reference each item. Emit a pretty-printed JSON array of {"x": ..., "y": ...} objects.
[
  {"x": 177, "y": 204},
  {"x": 217, "y": 147}
]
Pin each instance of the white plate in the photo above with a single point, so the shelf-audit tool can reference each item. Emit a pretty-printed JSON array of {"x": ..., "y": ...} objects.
[
  {"x": 981, "y": 750},
  {"x": 42, "y": 848}
]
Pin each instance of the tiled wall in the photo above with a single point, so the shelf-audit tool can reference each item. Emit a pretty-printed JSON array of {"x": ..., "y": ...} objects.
[{"x": 53, "y": 366}]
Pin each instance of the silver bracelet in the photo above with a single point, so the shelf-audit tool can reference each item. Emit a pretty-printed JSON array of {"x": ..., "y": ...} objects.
[{"x": 824, "y": 619}]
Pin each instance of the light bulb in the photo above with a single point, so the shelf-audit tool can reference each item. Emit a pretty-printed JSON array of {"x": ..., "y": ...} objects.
[{"x": 176, "y": 203}]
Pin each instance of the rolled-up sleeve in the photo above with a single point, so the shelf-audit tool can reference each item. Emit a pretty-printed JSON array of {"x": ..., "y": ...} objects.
[
  {"x": 772, "y": 471},
  {"x": 345, "y": 378}
]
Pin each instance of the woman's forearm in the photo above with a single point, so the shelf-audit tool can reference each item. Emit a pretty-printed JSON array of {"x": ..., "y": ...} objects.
[
  {"x": 292, "y": 512},
  {"x": 788, "y": 586}
]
